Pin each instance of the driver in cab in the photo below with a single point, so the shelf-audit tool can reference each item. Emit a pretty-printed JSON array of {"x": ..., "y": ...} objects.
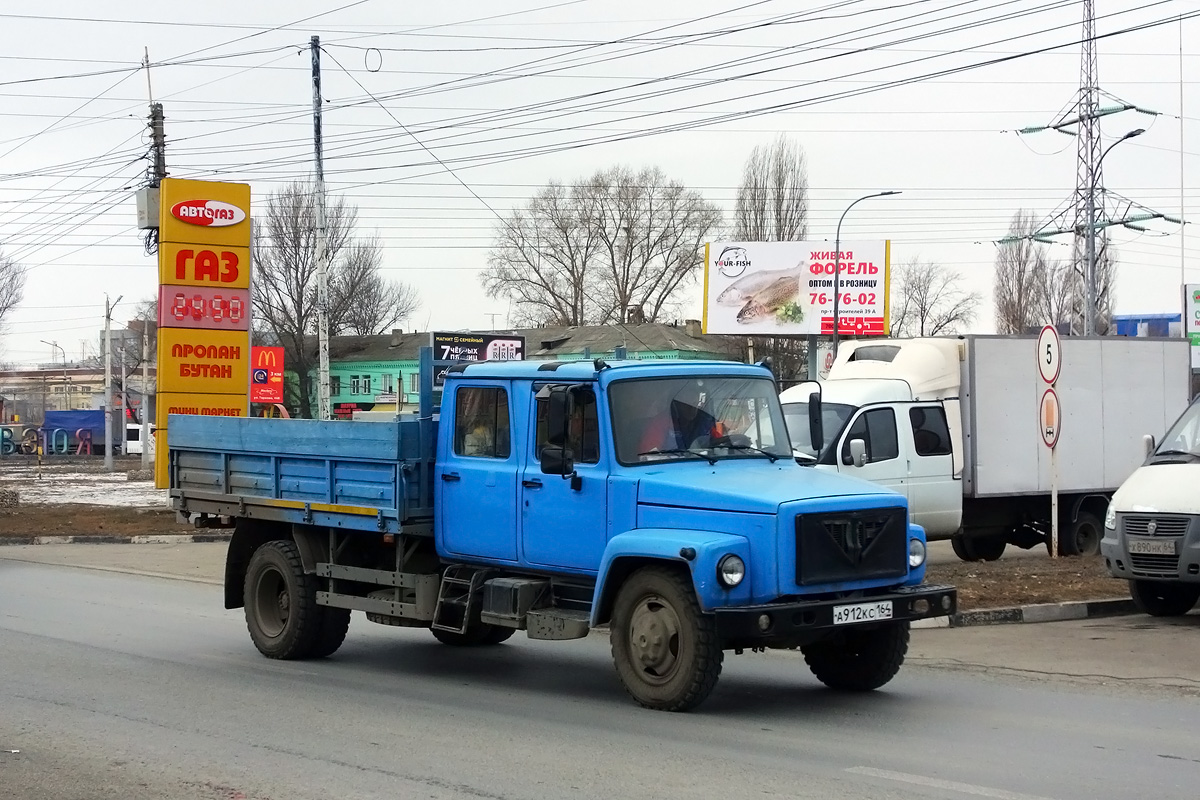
[{"x": 678, "y": 421}]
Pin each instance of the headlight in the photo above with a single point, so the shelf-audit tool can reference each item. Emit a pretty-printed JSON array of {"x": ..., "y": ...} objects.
[
  {"x": 916, "y": 553},
  {"x": 1110, "y": 518},
  {"x": 730, "y": 571}
]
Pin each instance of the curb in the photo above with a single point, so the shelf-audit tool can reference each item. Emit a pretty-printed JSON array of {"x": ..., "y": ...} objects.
[
  {"x": 1041, "y": 612},
  {"x": 153, "y": 538}
]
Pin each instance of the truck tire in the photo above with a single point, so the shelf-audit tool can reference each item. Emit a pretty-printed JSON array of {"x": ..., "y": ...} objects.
[
  {"x": 859, "y": 660},
  {"x": 664, "y": 647},
  {"x": 282, "y": 614},
  {"x": 479, "y": 634},
  {"x": 979, "y": 548},
  {"x": 331, "y": 631},
  {"x": 1083, "y": 535},
  {"x": 1164, "y": 599}
]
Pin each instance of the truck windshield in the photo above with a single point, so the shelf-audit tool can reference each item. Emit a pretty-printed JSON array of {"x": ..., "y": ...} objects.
[
  {"x": 833, "y": 419},
  {"x": 1184, "y": 437},
  {"x": 709, "y": 418}
]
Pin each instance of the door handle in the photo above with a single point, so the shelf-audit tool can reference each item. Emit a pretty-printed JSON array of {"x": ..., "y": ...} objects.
[
  {"x": 533, "y": 484},
  {"x": 450, "y": 477}
]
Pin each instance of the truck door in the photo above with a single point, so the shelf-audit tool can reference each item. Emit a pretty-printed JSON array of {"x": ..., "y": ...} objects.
[
  {"x": 877, "y": 427},
  {"x": 934, "y": 496},
  {"x": 561, "y": 526},
  {"x": 478, "y": 476}
]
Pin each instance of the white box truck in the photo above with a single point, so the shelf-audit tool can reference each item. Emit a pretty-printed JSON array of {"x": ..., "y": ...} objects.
[{"x": 952, "y": 423}]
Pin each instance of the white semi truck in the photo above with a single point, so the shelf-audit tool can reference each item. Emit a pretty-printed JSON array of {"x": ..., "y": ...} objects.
[{"x": 952, "y": 424}]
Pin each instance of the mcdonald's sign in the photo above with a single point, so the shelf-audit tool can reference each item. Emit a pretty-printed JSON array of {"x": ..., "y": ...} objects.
[{"x": 266, "y": 374}]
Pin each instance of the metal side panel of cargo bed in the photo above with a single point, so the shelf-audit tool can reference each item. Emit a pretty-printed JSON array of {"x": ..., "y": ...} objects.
[
  {"x": 1113, "y": 390},
  {"x": 371, "y": 476}
]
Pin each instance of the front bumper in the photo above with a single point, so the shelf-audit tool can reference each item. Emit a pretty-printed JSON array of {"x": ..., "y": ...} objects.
[{"x": 802, "y": 617}]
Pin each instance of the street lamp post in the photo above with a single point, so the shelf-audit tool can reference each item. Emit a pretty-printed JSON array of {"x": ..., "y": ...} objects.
[
  {"x": 66, "y": 380},
  {"x": 837, "y": 269},
  {"x": 1089, "y": 277}
]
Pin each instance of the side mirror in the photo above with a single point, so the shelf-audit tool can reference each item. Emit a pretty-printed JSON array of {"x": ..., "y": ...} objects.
[
  {"x": 858, "y": 452},
  {"x": 557, "y": 460},
  {"x": 816, "y": 424},
  {"x": 558, "y": 416},
  {"x": 1148, "y": 445}
]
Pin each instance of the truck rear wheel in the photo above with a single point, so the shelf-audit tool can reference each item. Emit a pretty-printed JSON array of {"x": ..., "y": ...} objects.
[
  {"x": 331, "y": 631},
  {"x": 664, "y": 648},
  {"x": 859, "y": 659},
  {"x": 1164, "y": 599},
  {"x": 979, "y": 548},
  {"x": 1082, "y": 536},
  {"x": 282, "y": 614}
]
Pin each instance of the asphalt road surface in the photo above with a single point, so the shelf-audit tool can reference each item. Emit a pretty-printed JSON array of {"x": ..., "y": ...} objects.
[{"x": 119, "y": 686}]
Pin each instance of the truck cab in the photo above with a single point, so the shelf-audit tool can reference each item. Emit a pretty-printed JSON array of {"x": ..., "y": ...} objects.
[{"x": 658, "y": 498}]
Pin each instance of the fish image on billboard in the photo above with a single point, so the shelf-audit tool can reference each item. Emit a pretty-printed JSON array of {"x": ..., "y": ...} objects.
[
  {"x": 741, "y": 290},
  {"x": 770, "y": 299}
]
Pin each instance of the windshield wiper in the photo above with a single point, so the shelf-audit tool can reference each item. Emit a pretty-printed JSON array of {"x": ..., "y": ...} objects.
[
  {"x": 679, "y": 451},
  {"x": 1186, "y": 453},
  {"x": 725, "y": 441}
]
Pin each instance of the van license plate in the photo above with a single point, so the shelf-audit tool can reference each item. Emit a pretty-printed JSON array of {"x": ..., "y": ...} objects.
[
  {"x": 1152, "y": 547},
  {"x": 862, "y": 612}
]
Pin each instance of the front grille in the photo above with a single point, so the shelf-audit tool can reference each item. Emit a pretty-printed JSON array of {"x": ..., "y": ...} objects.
[
  {"x": 850, "y": 546},
  {"x": 1145, "y": 565},
  {"x": 1156, "y": 526}
]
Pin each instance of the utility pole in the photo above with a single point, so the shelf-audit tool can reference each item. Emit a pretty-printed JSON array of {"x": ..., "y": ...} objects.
[
  {"x": 108, "y": 422},
  {"x": 322, "y": 239},
  {"x": 158, "y": 144},
  {"x": 837, "y": 264},
  {"x": 121, "y": 435}
]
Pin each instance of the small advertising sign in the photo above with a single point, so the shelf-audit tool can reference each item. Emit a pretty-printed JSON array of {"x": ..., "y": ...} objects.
[
  {"x": 1191, "y": 319},
  {"x": 474, "y": 347},
  {"x": 266, "y": 374}
]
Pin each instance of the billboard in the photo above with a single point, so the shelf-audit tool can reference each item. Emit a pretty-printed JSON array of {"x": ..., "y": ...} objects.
[
  {"x": 787, "y": 288},
  {"x": 474, "y": 347},
  {"x": 266, "y": 374}
]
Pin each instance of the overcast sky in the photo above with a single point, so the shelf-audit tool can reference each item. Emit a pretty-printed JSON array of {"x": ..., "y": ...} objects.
[{"x": 510, "y": 95}]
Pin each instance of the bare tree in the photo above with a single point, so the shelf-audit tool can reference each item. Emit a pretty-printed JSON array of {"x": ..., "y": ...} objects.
[
  {"x": 285, "y": 281},
  {"x": 611, "y": 248},
  {"x": 772, "y": 202},
  {"x": 1032, "y": 289},
  {"x": 1022, "y": 278},
  {"x": 12, "y": 285},
  {"x": 930, "y": 301}
]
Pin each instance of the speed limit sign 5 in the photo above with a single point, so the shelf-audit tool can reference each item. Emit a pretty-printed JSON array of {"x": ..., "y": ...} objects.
[{"x": 1049, "y": 354}]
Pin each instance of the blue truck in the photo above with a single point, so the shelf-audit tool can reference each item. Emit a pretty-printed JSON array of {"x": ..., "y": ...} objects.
[{"x": 659, "y": 499}]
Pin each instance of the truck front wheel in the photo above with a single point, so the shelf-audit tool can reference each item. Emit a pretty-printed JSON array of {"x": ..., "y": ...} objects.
[
  {"x": 282, "y": 614},
  {"x": 859, "y": 659},
  {"x": 665, "y": 649},
  {"x": 1163, "y": 599}
]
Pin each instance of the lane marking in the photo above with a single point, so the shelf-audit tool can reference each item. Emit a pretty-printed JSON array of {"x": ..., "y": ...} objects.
[{"x": 938, "y": 783}]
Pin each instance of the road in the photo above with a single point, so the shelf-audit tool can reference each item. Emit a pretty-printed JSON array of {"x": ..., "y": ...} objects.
[{"x": 123, "y": 686}]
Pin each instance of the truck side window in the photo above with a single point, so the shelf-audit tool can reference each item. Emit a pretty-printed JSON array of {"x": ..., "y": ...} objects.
[
  {"x": 481, "y": 422},
  {"x": 931, "y": 434},
  {"x": 584, "y": 435},
  {"x": 877, "y": 428}
]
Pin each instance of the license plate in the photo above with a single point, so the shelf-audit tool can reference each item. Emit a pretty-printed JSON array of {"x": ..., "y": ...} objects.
[
  {"x": 862, "y": 612},
  {"x": 1152, "y": 547}
]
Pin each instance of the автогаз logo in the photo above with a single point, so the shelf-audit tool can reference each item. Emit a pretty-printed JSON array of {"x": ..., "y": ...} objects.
[{"x": 207, "y": 213}]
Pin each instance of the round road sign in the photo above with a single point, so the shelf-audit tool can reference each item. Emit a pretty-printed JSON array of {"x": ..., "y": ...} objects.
[
  {"x": 1049, "y": 354},
  {"x": 1049, "y": 418}
]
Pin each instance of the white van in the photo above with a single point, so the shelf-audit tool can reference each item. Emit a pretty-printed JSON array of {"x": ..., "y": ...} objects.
[
  {"x": 1152, "y": 530},
  {"x": 133, "y": 439}
]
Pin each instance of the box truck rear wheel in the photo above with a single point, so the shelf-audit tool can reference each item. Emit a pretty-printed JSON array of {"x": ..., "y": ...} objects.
[
  {"x": 1164, "y": 599},
  {"x": 665, "y": 649},
  {"x": 1082, "y": 536},
  {"x": 282, "y": 614},
  {"x": 979, "y": 548},
  {"x": 859, "y": 659}
]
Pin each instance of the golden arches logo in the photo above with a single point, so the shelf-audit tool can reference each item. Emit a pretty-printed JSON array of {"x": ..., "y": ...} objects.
[{"x": 266, "y": 358}]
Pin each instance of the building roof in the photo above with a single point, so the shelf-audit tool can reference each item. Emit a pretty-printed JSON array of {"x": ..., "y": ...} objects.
[{"x": 552, "y": 341}]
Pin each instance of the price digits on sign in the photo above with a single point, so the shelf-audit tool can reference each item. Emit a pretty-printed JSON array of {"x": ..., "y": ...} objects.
[{"x": 218, "y": 309}]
